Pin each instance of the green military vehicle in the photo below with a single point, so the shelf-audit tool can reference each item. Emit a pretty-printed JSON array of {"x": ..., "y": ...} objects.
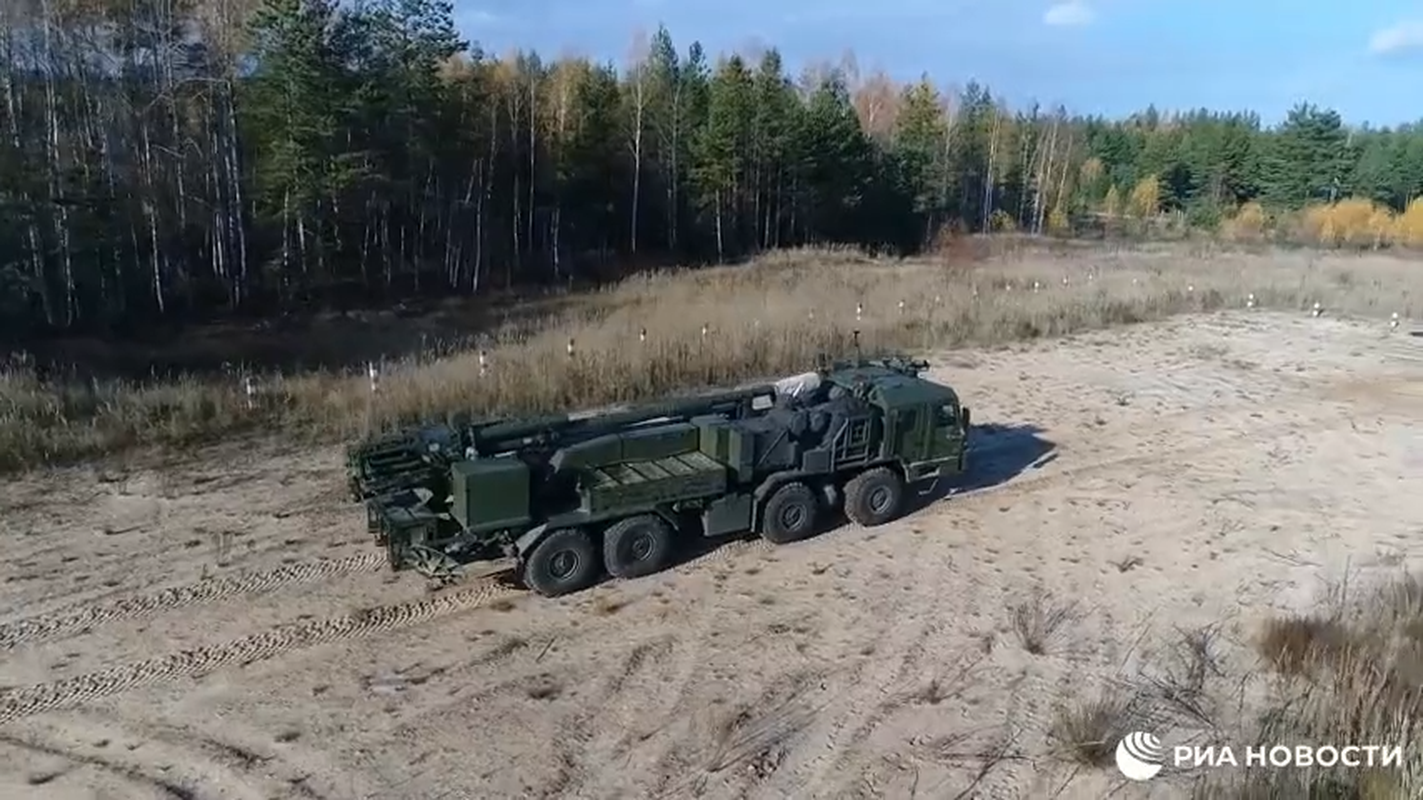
[{"x": 569, "y": 499}]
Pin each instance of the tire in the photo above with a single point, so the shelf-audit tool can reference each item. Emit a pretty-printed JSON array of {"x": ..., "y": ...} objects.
[
  {"x": 565, "y": 561},
  {"x": 637, "y": 546},
  {"x": 874, "y": 497},
  {"x": 790, "y": 515}
]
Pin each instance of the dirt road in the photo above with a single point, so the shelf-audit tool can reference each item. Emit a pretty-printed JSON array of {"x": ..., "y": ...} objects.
[{"x": 224, "y": 628}]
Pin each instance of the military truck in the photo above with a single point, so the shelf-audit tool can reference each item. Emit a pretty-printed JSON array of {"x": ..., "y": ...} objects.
[{"x": 566, "y": 500}]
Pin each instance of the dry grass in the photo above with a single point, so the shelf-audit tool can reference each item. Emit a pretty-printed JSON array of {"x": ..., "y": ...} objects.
[
  {"x": 769, "y": 318},
  {"x": 1039, "y": 620},
  {"x": 1086, "y": 731},
  {"x": 1350, "y": 673}
]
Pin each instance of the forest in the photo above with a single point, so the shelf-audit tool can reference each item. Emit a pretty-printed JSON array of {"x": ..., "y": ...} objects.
[{"x": 162, "y": 162}]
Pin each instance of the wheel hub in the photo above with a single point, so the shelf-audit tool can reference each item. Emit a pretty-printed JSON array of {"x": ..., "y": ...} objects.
[
  {"x": 563, "y": 564},
  {"x": 792, "y": 516}
]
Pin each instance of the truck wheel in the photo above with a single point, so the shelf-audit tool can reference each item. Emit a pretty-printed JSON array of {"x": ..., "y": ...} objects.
[
  {"x": 790, "y": 514},
  {"x": 565, "y": 561},
  {"x": 873, "y": 497},
  {"x": 637, "y": 546}
]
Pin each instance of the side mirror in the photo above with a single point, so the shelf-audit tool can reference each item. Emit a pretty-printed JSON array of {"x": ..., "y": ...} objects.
[{"x": 964, "y": 417}]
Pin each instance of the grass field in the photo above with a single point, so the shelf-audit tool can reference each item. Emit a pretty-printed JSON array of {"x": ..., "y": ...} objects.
[
  {"x": 1194, "y": 452},
  {"x": 703, "y": 327}
]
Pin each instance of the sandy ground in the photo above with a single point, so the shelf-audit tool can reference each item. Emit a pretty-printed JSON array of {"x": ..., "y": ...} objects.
[{"x": 224, "y": 628}]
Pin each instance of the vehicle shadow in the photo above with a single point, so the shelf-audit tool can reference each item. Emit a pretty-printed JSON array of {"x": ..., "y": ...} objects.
[
  {"x": 997, "y": 454},
  {"x": 1000, "y": 453}
]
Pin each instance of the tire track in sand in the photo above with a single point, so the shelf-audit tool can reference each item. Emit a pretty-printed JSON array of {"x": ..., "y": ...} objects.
[
  {"x": 881, "y": 682},
  {"x": 579, "y": 749},
  {"x": 38, "y": 698},
  {"x": 77, "y": 618}
]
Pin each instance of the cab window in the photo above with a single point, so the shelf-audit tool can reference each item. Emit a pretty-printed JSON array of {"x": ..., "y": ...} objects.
[{"x": 945, "y": 416}]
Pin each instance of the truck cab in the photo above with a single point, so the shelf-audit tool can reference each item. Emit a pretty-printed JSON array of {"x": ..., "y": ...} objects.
[{"x": 925, "y": 425}]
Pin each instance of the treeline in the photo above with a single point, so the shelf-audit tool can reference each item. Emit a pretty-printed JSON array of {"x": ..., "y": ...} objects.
[{"x": 177, "y": 159}]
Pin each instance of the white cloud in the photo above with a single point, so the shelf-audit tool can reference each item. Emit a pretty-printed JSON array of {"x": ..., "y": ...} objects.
[
  {"x": 1403, "y": 36},
  {"x": 1072, "y": 13},
  {"x": 477, "y": 16}
]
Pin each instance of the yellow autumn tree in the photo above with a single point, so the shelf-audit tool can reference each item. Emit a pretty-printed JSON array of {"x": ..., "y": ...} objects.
[
  {"x": 1352, "y": 222},
  {"x": 1380, "y": 226},
  {"x": 1408, "y": 228},
  {"x": 1145, "y": 198},
  {"x": 1057, "y": 223},
  {"x": 1090, "y": 174},
  {"x": 1112, "y": 203},
  {"x": 1248, "y": 224}
]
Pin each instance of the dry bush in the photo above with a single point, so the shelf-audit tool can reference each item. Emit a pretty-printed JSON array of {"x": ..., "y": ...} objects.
[
  {"x": 1295, "y": 644},
  {"x": 1086, "y": 731},
  {"x": 1187, "y": 674},
  {"x": 1299, "y": 784},
  {"x": 1348, "y": 674},
  {"x": 1038, "y": 621},
  {"x": 1249, "y": 224},
  {"x": 766, "y": 319}
]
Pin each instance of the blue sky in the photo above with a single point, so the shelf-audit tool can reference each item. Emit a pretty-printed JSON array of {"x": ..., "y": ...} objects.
[{"x": 1096, "y": 56}]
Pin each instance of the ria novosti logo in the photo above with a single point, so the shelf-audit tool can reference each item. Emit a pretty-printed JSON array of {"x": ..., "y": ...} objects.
[{"x": 1139, "y": 756}]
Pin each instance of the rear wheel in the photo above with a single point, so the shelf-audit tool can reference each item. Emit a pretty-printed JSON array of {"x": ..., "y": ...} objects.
[
  {"x": 790, "y": 514},
  {"x": 565, "y": 561},
  {"x": 637, "y": 546},
  {"x": 874, "y": 497}
]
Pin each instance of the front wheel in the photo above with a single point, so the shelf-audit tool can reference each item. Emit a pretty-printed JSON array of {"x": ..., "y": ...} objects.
[
  {"x": 790, "y": 514},
  {"x": 874, "y": 497},
  {"x": 565, "y": 561}
]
